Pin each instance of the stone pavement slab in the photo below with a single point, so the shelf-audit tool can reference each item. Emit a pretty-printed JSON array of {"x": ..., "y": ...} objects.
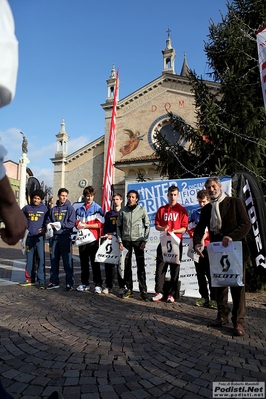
[{"x": 92, "y": 346}]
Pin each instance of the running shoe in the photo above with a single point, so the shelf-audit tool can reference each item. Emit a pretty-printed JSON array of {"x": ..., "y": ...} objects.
[
  {"x": 170, "y": 299},
  {"x": 202, "y": 302},
  {"x": 144, "y": 297},
  {"x": 157, "y": 298},
  {"x": 98, "y": 290},
  {"x": 27, "y": 283},
  {"x": 128, "y": 294},
  {"x": 50, "y": 286},
  {"x": 83, "y": 287},
  {"x": 107, "y": 290},
  {"x": 213, "y": 305}
]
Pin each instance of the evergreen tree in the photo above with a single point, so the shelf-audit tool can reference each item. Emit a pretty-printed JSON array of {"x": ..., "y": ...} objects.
[{"x": 230, "y": 133}]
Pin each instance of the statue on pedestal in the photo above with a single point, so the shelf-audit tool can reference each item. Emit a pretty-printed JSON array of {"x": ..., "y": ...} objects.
[{"x": 24, "y": 144}]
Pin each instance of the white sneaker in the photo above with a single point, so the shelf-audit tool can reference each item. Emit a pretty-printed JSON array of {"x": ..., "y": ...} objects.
[
  {"x": 170, "y": 299},
  {"x": 97, "y": 290},
  {"x": 87, "y": 288},
  {"x": 106, "y": 290},
  {"x": 81, "y": 287},
  {"x": 157, "y": 298}
]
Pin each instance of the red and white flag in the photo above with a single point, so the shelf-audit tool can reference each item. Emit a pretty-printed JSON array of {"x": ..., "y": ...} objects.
[
  {"x": 261, "y": 44},
  {"x": 109, "y": 167}
]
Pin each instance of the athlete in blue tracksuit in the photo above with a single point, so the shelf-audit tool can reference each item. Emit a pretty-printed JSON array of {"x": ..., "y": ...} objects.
[
  {"x": 60, "y": 244},
  {"x": 36, "y": 214},
  {"x": 90, "y": 216}
]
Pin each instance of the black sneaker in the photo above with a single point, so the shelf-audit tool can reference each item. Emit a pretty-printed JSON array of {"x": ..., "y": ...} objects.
[
  {"x": 50, "y": 286},
  {"x": 41, "y": 286},
  {"x": 202, "y": 302},
  {"x": 69, "y": 288},
  {"x": 128, "y": 294},
  {"x": 144, "y": 297}
]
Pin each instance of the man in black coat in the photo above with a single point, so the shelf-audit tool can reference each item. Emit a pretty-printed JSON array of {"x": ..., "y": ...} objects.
[{"x": 227, "y": 220}]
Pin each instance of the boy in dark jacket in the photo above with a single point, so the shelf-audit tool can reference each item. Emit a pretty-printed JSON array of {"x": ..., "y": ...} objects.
[
  {"x": 202, "y": 266},
  {"x": 61, "y": 244},
  {"x": 109, "y": 229},
  {"x": 36, "y": 214}
]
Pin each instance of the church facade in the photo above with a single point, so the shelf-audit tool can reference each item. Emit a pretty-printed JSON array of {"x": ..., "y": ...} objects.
[{"x": 139, "y": 115}]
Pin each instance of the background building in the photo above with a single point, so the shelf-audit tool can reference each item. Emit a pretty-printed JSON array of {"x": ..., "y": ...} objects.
[
  {"x": 138, "y": 116},
  {"x": 13, "y": 171}
]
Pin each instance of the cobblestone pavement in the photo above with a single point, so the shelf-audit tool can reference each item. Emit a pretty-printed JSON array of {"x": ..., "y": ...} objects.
[{"x": 95, "y": 346}]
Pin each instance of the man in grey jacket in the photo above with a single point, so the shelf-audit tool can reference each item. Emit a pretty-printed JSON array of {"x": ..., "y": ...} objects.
[{"x": 133, "y": 229}]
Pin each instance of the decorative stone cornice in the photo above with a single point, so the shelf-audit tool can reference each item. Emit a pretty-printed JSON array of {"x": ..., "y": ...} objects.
[
  {"x": 148, "y": 91},
  {"x": 147, "y": 158}
]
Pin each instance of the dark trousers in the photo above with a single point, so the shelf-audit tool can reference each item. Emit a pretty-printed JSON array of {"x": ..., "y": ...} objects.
[
  {"x": 109, "y": 276},
  {"x": 139, "y": 254},
  {"x": 203, "y": 270},
  {"x": 87, "y": 253},
  {"x": 161, "y": 269},
  {"x": 35, "y": 251},
  {"x": 239, "y": 302},
  {"x": 61, "y": 245}
]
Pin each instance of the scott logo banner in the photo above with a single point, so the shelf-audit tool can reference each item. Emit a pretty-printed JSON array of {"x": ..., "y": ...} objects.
[
  {"x": 83, "y": 237},
  {"x": 108, "y": 251},
  {"x": 226, "y": 264},
  {"x": 170, "y": 248}
]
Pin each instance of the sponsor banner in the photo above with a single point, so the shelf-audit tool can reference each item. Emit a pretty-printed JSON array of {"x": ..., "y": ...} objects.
[
  {"x": 153, "y": 194},
  {"x": 249, "y": 190}
]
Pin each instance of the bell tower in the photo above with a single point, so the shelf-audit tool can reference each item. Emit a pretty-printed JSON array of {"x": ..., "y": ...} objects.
[
  {"x": 59, "y": 160},
  {"x": 111, "y": 86},
  {"x": 168, "y": 56},
  {"x": 62, "y": 142}
]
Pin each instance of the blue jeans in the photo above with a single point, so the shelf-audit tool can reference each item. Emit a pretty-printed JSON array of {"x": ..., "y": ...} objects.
[
  {"x": 61, "y": 245},
  {"x": 35, "y": 251}
]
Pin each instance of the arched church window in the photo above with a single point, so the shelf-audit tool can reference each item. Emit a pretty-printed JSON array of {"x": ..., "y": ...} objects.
[{"x": 164, "y": 126}]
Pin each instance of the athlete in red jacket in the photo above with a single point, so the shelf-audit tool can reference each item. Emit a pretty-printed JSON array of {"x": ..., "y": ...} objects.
[{"x": 169, "y": 218}]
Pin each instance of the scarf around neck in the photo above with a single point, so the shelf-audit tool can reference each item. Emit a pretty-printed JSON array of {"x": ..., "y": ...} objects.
[{"x": 216, "y": 221}]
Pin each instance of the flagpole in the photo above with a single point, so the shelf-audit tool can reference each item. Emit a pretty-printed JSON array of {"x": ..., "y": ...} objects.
[{"x": 109, "y": 166}]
